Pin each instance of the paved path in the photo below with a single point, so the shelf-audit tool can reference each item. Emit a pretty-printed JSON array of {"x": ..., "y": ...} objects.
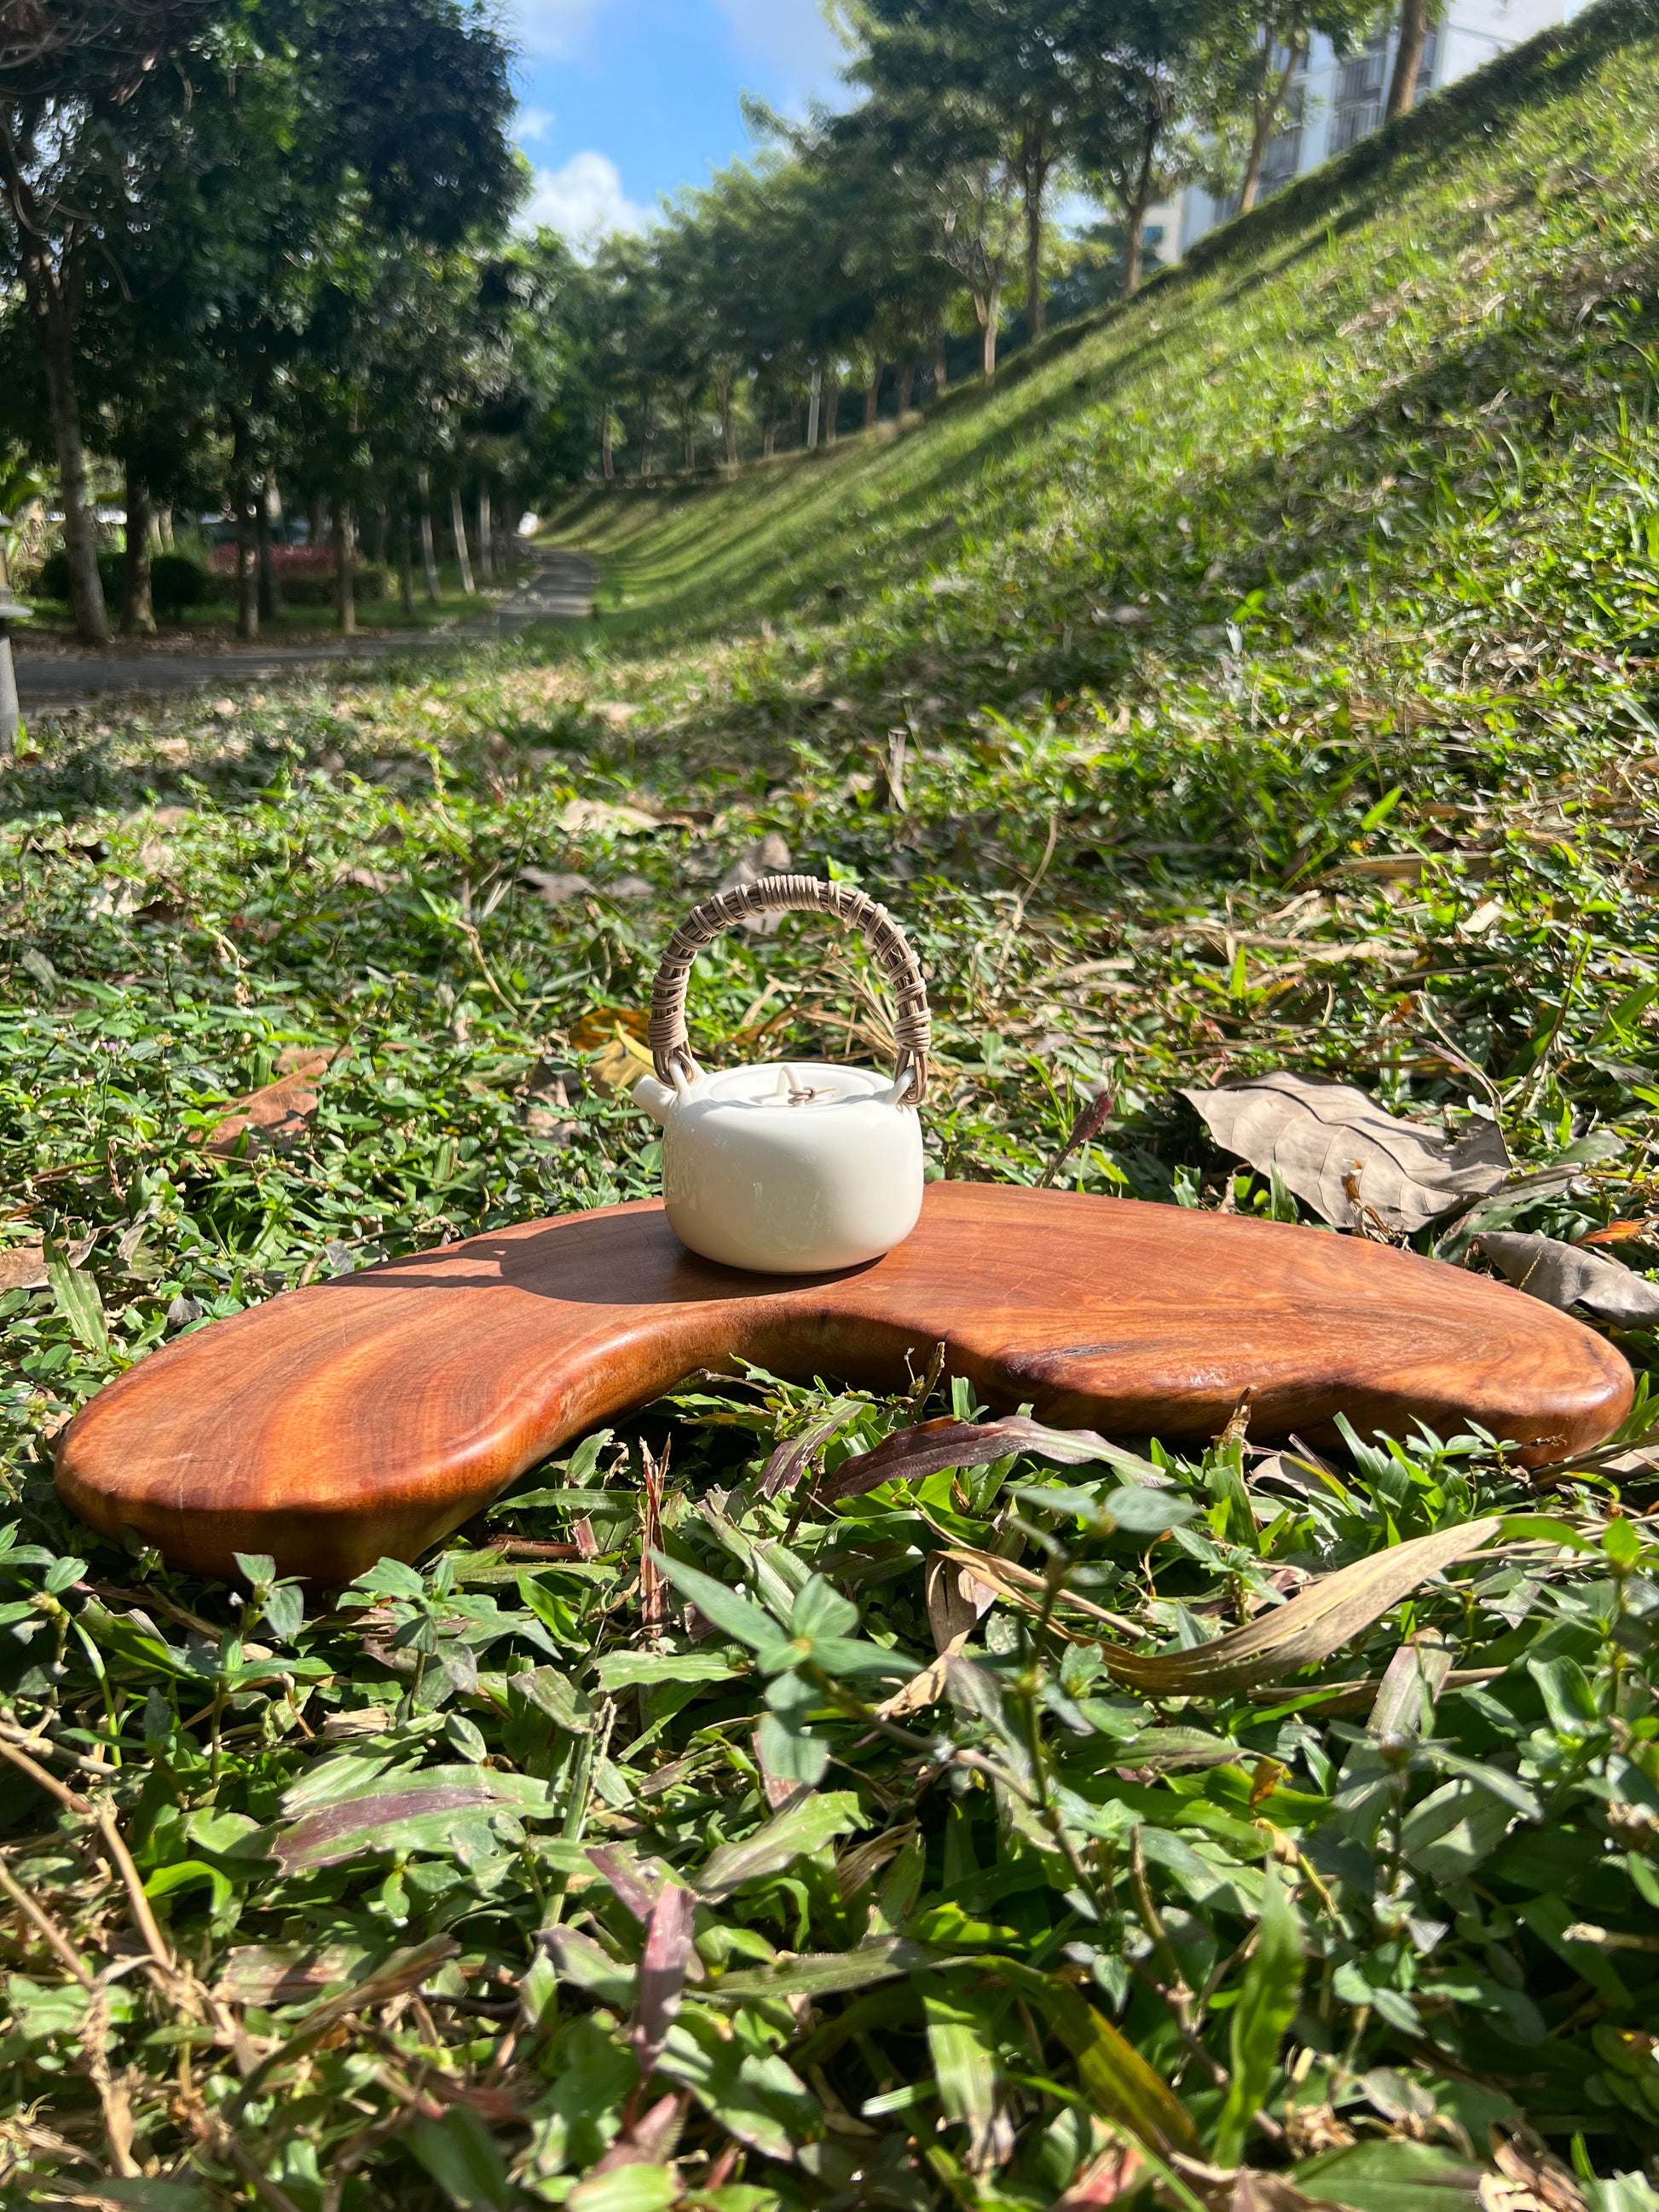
[{"x": 561, "y": 590}]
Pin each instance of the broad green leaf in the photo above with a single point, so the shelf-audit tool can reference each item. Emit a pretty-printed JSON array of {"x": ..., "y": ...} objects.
[
  {"x": 962, "y": 2045},
  {"x": 821, "y": 1611},
  {"x": 1261, "y": 2017},
  {"x": 411, "y": 1811},
  {"x": 720, "y": 1605},
  {"x": 798, "y": 1829},
  {"x": 627, "y": 2189},
  {"x": 627, "y": 1670},
  {"x": 76, "y": 1296},
  {"x": 1392, "y": 2177},
  {"x": 827, "y": 1973},
  {"x": 463, "y": 2158},
  {"x": 1117, "y": 2081},
  {"x": 791, "y": 1753},
  {"x": 759, "y": 2099}
]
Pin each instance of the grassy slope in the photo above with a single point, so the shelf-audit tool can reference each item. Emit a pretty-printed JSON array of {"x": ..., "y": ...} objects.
[{"x": 1274, "y": 668}]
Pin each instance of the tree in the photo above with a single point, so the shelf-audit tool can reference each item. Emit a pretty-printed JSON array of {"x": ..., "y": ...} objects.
[
  {"x": 1417, "y": 19},
  {"x": 1149, "y": 76},
  {"x": 86, "y": 94},
  {"x": 1011, "y": 60},
  {"x": 1271, "y": 44}
]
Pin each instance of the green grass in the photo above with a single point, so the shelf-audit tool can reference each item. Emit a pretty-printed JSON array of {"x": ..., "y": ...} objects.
[{"x": 1264, "y": 677}]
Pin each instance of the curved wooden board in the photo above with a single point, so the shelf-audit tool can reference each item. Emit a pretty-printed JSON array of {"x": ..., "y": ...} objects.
[{"x": 372, "y": 1414}]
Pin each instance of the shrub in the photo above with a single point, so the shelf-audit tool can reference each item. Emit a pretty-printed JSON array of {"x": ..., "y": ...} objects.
[{"x": 176, "y": 582}]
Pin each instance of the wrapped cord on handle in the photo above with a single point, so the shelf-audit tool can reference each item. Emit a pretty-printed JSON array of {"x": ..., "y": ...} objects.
[{"x": 802, "y": 895}]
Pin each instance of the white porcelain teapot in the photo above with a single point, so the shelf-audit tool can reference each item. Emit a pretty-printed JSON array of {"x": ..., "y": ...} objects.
[{"x": 796, "y": 1167}]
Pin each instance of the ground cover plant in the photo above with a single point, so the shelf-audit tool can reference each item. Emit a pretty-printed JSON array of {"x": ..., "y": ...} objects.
[{"x": 766, "y": 1803}]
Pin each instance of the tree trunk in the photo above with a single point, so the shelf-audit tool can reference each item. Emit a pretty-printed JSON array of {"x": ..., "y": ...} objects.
[
  {"x": 831, "y": 406},
  {"x": 990, "y": 313},
  {"x": 458, "y": 523},
  {"x": 486, "y": 535},
  {"x": 815, "y": 408},
  {"x": 872, "y": 393},
  {"x": 316, "y": 521},
  {"x": 345, "y": 598},
  {"x": 728, "y": 423},
  {"x": 406, "y": 562},
  {"x": 936, "y": 353},
  {"x": 1134, "y": 230},
  {"x": 54, "y": 333},
  {"x": 907, "y": 384},
  {"x": 1409, "y": 58},
  {"x": 769, "y": 437},
  {"x": 1269, "y": 107},
  {"x": 428, "y": 556},
  {"x": 247, "y": 553},
  {"x": 166, "y": 529},
  {"x": 268, "y": 514},
  {"x": 1035, "y": 165},
  {"x": 137, "y": 609},
  {"x": 607, "y": 462}
]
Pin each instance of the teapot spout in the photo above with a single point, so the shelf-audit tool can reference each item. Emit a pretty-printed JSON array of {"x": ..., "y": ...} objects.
[{"x": 655, "y": 1098}]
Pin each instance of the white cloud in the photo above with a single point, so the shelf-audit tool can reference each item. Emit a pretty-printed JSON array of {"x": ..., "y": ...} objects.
[
  {"x": 552, "y": 29},
  {"x": 792, "y": 37},
  {"x": 535, "y": 122},
  {"x": 585, "y": 199}
]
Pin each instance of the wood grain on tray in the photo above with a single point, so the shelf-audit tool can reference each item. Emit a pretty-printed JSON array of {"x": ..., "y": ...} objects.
[{"x": 374, "y": 1414}]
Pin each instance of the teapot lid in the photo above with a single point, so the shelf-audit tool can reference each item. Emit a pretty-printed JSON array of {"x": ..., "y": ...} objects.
[{"x": 794, "y": 1086}]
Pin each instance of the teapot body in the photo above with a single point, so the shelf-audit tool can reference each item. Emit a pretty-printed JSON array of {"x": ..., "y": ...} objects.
[{"x": 794, "y": 1169}]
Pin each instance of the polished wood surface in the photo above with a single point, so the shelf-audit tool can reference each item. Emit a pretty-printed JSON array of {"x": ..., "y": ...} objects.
[{"x": 374, "y": 1414}]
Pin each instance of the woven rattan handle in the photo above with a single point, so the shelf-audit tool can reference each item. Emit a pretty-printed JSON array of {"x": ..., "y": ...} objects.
[{"x": 798, "y": 895}]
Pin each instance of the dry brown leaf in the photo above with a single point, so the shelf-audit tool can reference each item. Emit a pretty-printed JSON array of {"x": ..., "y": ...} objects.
[
  {"x": 24, "y": 1267},
  {"x": 1564, "y": 1275},
  {"x": 1341, "y": 1153},
  {"x": 613, "y": 1071},
  {"x": 310, "y": 1060},
  {"x": 956, "y": 1602},
  {"x": 279, "y": 1114},
  {"x": 554, "y": 889},
  {"x": 909, "y": 1453},
  {"x": 599, "y": 1024},
  {"x": 1330, "y": 1613},
  {"x": 581, "y": 816}
]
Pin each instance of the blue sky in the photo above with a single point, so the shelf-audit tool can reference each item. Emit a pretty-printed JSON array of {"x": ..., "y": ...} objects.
[{"x": 622, "y": 101}]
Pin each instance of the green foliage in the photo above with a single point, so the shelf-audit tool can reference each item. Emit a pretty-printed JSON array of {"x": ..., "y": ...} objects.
[{"x": 177, "y": 582}]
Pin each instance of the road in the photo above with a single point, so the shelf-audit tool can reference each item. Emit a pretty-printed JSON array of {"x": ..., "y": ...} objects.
[{"x": 561, "y": 590}]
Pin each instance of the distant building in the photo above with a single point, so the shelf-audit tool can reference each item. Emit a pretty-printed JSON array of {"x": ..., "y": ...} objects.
[{"x": 1336, "y": 102}]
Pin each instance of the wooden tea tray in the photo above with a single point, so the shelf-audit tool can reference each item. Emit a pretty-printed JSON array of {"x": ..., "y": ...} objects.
[{"x": 374, "y": 1414}]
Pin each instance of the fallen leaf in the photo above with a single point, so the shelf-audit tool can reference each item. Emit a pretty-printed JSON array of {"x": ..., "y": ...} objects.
[
  {"x": 909, "y": 1453},
  {"x": 310, "y": 1060},
  {"x": 1564, "y": 1275},
  {"x": 1340, "y": 1153},
  {"x": 956, "y": 1602},
  {"x": 24, "y": 1267},
  {"x": 1103, "y": 2179},
  {"x": 284, "y": 1973},
  {"x": 614, "y": 1070},
  {"x": 785, "y": 1467},
  {"x": 553, "y": 890},
  {"x": 1330, "y": 1612},
  {"x": 277, "y": 1115},
  {"x": 599, "y": 1024},
  {"x": 578, "y": 816}
]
